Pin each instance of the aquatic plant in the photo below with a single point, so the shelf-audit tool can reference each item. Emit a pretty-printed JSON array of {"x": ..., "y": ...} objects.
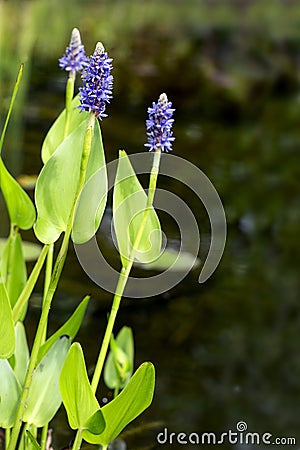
[{"x": 34, "y": 383}]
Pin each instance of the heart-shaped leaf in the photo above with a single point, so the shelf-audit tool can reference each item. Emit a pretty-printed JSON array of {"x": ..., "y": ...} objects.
[{"x": 57, "y": 186}]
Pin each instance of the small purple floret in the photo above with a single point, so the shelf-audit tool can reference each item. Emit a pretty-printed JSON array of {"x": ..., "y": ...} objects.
[
  {"x": 159, "y": 125},
  {"x": 75, "y": 58},
  {"x": 97, "y": 83}
]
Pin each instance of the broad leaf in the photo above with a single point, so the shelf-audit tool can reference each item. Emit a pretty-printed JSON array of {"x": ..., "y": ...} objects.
[
  {"x": 10, "y": 392},
  {"x": 70, "y": 328},
  {"x": 20, "y": 208},
  {"x": 55, "y": 135},
  {"x": 129, "y": 205},
  {"x": 119, "y": 364},
  {"x": 129, "y": 404},
  {"x": 7, "y": 332},
  {"x": 21, "y": 355},
  {"x": 44, "y": 397},
  {"x": 57, "y": 184},
  {"x": 78, "y": 398}
]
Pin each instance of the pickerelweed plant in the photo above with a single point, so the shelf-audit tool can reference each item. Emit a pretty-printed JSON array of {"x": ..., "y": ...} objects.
[{"x": 70, "y": 200}]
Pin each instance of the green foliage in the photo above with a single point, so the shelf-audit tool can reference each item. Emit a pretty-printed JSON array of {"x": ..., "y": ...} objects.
[
  {"x": 21, "y": 354},
  {"x": 57, "y": 186},
  {"x": 10, "y": 391},
  {"x": 44, "y": 396},
  {"x": 20, "y": 208},
  {"x": 82, "y": 407},
  {"x": 55, "y": 135},
  {"x": 119, "y": 364},
  {"x": 129, "y": 404},
  {"x": 129, "y": 207}
]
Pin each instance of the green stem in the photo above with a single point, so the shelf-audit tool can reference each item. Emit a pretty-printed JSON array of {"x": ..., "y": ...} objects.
[
  {"x": 77, "y": 441},
  {"x": 124, "y": 274},
  {"x": 52, "y": 287},
  {"x": 47, "y": 281},
  {"x": 7, "y": 437},
  {"x": 44, "y": 436},
  {"x": 13, "y": 98},
  {"x": 69, "y": 98}
]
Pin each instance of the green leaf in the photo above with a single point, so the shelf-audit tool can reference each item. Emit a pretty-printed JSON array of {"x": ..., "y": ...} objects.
[
  {"x": 129, "y": 404},
  {"x": 7, "y": 332},
  {"x": 57, "y": 184},
  {"x": 21, "y": 355},
  {"x": 172, "y": 260},
  {"x": 44, "y": 397},
  {"x": 129, "y": 204},
  {"x": 119, "y": 364},
  {"x": 70, "y": 328},
  {"x": 77, "y": 395},
  {"x": 31, "y": 251},
  {"x": 10, "y": 392},
  {"x": 55, "y": 135},
  {"x": 20, "y": 208},
  {"x": 13, "y": 267}
]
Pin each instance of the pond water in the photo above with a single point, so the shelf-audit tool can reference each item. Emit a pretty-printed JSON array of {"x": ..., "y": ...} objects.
[{"x": 228, "y": 350}]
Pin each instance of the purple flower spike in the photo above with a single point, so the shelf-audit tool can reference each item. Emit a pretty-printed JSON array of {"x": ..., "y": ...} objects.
[
  {"x": 159, "y": 125},
  {"x": 97, "y": 83},
  {"x": 74, "y": 58}
]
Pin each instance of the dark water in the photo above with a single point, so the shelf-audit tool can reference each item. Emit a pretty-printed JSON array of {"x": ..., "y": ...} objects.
[{"x": 226, "y": 351}]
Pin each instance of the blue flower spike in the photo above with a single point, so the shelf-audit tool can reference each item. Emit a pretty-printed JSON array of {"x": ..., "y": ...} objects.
[
  {"x": 159, "y": 125},
  {"x": 97, "y": 83},
  {"x": 75, "y": 58}
]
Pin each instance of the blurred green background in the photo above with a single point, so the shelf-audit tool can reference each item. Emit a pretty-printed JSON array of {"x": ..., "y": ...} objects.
[{"x": 227, "y": 350}]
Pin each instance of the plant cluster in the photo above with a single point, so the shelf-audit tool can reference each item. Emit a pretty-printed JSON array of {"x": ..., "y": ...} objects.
[{"x": 70, "y": 200}]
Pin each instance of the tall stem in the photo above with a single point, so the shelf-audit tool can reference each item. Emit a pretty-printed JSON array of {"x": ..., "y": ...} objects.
[{"x": 124, "y": 274}]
